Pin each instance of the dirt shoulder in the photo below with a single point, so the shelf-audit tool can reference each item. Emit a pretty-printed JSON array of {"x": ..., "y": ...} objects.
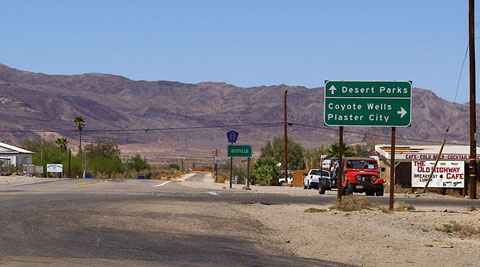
[
  {"x": 15, "y": 180},
  {"x": 371, "y": 238}
]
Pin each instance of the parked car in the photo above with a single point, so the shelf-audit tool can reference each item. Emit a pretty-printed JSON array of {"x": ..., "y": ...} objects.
[
  {"x": 314, "y": 177},
  {"x": 282, "y": 180}
]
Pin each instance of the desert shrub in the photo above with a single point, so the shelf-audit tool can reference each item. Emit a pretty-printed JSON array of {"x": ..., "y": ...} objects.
[
  {"x": 265, "y": 171},
  {"x": 402, "y": 206},
  {"x": 138, "y": 164},
  {"x": 315, "y": 210},
  {"x": 105, "y": 165},
  {"x": 352, "y": 203},
  {"x": 458, "y": 229},
  {"x": 174, "y": 166}
]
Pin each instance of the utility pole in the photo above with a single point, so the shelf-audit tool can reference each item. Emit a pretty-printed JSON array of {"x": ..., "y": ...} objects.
[
  {"x": 285, "y": 134},
  {"x": 473, "y": 125}
]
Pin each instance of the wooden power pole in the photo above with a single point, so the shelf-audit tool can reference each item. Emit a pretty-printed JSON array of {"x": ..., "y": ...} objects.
[
  {"x": 285, "y": 134},
  {"x": 473, "y": 126}
]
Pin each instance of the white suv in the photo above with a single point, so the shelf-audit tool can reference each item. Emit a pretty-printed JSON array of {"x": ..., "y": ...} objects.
[{"x": 313, "y": 177}]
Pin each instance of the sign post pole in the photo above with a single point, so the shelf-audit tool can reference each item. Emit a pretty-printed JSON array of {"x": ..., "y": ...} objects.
[
  {"x": 232, "y": 138},
  {"x": 231, "y": 169},
  {"x": 248, "y": 173},
  {"x": 340, "y": 162},
  {"x": 216, "y": 166},
  {"x": 392, "y": 168}
]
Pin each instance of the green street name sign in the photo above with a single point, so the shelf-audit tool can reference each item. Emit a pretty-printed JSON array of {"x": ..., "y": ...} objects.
[
  {"x": 368, "y": 103},
  {"x": 244, "y": 151}
]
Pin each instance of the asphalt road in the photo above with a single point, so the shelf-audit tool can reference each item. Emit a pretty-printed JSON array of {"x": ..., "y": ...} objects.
[
  {"x": 133, "y": 223},
  {"x": 146, "y": 222}
]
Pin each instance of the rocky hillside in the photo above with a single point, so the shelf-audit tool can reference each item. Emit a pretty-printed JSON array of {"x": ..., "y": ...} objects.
[{"x": 47, "y": 104}]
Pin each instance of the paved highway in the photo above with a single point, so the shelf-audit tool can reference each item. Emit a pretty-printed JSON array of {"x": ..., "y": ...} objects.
[
  {"x": 132, "y": 222},
  {"x": 146, "y": 222}
]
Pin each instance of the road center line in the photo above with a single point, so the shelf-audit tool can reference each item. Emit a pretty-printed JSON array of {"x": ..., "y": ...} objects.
[
  {"x": 162, "y": 184},
  {"x": 213, "y": 193},
  {"x": 94, "y": 182}
]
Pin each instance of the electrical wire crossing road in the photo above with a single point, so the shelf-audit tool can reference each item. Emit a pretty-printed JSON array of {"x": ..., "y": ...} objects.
[{"x": 368, "y": 103}]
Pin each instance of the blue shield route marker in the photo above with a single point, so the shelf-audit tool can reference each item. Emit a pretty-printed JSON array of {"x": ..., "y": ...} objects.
[{"x": 232, "y": 136}]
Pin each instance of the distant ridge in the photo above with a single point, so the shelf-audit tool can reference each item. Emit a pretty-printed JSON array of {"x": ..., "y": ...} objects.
[{"x": 35, "y": 101}]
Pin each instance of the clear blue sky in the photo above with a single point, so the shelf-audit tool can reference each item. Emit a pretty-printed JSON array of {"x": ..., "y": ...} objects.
[{"x": 245, "y": 43}]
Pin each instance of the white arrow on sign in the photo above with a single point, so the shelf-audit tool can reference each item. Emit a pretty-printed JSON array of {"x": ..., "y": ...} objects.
[
  {"x": 402, "y": 112},
  {"x": 332, "y": 89}
]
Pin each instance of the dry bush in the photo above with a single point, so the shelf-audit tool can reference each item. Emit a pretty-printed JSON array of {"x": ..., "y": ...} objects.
[
  {"x": 220, "y": 179},
  {"x": 315, "y": 210},
  {"x": 402, "y": 206},
  {"x": 472, "y": 208},
  {"x": 459, "y": 230},
  {"x": 353, "y": 203}
]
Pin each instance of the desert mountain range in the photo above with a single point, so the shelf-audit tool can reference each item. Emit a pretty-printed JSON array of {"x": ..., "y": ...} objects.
[{"x": 147, "y": 114}]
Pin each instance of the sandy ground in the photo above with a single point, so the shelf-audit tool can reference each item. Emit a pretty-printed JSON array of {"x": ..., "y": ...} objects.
[
  {"x": 15, "y": 180},
  {"x": 364, "y": 238}
]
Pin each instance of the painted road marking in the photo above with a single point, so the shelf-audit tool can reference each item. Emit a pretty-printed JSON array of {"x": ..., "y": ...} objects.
[
  {"x": 94, "y": 182},
  {"x": 213, "y": 193},
  {"x": 162, "y": 184},
  {"x": 3, "y": 192}
]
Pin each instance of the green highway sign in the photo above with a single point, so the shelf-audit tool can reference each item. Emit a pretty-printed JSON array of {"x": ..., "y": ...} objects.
[
  {"x": 244, "y": 151},
  {"x": 368, "y": 103}
]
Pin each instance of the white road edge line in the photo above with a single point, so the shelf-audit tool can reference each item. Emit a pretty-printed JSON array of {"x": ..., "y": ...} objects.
[
  {"x": 162, "y": 184},
  {"x": 213, "y": 193}
]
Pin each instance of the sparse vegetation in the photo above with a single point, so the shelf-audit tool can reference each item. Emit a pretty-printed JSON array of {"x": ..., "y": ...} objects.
[
  {"x": 174, "y": 166},
  {"x": 472, "y": 208},
  {"x": 353, "y": 203},
  {"x": 402, "y": 206},
  {"x": 457, "y": 229},
  {"x": 315, "y": 210}
]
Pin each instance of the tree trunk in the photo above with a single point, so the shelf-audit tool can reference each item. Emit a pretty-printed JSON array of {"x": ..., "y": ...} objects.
[{"x": 80, "y": 144}]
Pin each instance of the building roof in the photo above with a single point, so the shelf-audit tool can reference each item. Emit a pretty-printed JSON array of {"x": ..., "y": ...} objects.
[
  {"x": 9, "y": 149},
  {"x": 423, "y": 152}
]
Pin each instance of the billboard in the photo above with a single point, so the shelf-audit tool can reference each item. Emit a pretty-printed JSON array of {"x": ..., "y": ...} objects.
[{"x": 447, "y": 174}]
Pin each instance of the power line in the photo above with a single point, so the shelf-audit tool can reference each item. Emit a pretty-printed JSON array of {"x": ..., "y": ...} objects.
[
  {"x": 362, "y": 133},
  {"x": 267, "y": 124}
]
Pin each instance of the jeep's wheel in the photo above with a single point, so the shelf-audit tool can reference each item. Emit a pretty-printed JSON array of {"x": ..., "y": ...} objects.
[
  {"x": 321, "y": 189},
  {"x": 349, "y": 189},
  {"x": 344, "y": 191},
  {"x": 370, "y": 193},
  {"x": 379, "y": 191},
  {"x": 282, "y": 183}
]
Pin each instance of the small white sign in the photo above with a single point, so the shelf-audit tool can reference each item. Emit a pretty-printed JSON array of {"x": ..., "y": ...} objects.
[
  {"x": 217, "y": 159},
  {"x": 447, "y": 174},
  {"x": 54, "y": 167},
  {"x": 38, "y": 169}
]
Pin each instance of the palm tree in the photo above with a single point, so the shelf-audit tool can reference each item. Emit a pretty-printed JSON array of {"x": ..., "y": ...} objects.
[
  {"x": 62, "y": 143},
  {"x": 80, "y": 122},
  {"x": 334, "y": 149}
]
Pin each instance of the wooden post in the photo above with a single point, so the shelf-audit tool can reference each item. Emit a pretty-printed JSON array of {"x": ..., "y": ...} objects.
[
  {"x": 392, "y": 168},
  {"x": 473, "y": 124},
  {"x": 340, "y": 164},
  {"x": 285, "y": 133}
]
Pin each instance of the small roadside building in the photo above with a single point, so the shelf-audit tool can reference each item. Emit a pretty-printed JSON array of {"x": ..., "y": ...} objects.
[
  {"x": 14, "y": 156},
  {"x": 414, "y": 161}
]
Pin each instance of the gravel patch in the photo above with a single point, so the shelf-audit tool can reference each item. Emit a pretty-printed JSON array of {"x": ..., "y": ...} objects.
[{"x": 16, "y": 180}]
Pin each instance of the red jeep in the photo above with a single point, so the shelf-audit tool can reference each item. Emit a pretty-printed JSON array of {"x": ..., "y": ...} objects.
[{"x": 361, "y": 175}]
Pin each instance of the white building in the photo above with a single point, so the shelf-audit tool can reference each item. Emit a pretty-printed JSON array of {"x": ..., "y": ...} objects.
[{"x": 12, "y": 155}]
